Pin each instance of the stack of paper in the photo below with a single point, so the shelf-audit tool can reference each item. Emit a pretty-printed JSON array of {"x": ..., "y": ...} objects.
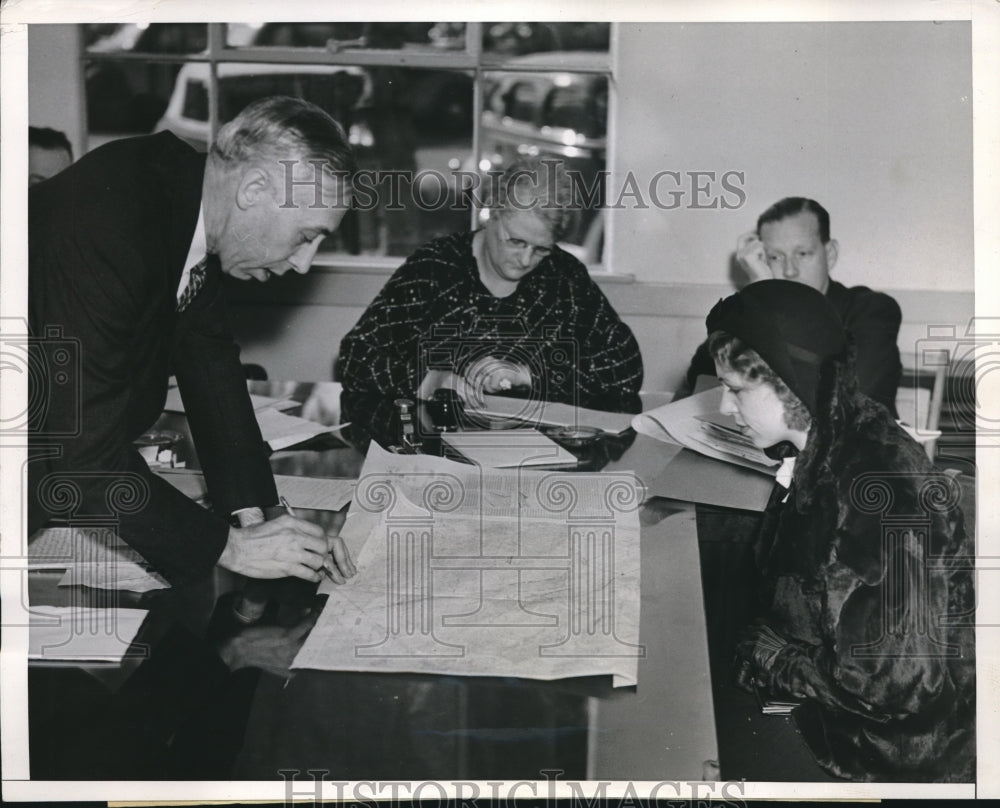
[
  {"x": 696, "y": 423},
  {"x": 774, "y": 706},
  {"x": 127, "y": 576},
  {"x": 92, "y": 557},
  {"x": 549, "y": 413},
  {"x": 508, "y": 448},
  {"x": 62, "y": 547}
]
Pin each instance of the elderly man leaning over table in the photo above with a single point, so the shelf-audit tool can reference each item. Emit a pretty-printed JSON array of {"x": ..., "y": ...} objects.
[
  {"x": 128, "y": 248},
  {"x": 507, "y": 308}
]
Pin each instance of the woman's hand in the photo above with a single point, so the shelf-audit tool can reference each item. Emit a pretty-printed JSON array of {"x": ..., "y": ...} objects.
[
  {"x": 491, "y": 375},
  {"x": 756, "y": 653}
]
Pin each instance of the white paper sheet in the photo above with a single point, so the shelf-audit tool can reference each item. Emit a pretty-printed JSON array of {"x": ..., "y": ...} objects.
[
  {"x": 124, "y": 576},
  {"x": 683, "y": 422},
  {"x": 317, "y": 493},
  {"x": 478, "y": 572},
  {"x": 175, "y": 404},
  {"x": 77, "y": 634},
  {"x": 281, "y": 431},
  {"x": 550, "y": 413},
  {"x": 94, "y": 557},
  {"x": 508, "y": 448},
  {"x": 62, "y": 547}
]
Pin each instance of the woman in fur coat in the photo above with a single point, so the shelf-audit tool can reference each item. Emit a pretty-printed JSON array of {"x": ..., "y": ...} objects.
[{"x": 866, "y": 569}]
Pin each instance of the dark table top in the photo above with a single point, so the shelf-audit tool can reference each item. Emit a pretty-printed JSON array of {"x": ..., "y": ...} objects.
[{"x": 257, "y": 718}]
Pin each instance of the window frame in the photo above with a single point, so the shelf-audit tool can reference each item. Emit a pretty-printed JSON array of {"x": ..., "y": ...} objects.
[{"x": 473, "y": 59}]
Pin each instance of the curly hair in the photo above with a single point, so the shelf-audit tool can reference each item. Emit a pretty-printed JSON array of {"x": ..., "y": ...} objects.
[
  {"x": 542, "y": 185},
  {"x": 735, "y": 353}
]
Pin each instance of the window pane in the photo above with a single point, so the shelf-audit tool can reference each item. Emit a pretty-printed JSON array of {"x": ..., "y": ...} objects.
[
  {"x": 165, "y": 37},
  {"x": 516, "y": 38},
  {"x": 425, "y": 36},
  {"x": 126, "y": 98},
  {"x": 552, "y": 114},
  {"x": 410, "y": 130},
  {"x": 418, "y": 130}
]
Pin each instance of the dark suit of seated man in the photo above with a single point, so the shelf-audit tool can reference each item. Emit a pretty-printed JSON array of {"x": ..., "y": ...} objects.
[
  {"x": 792, "y": 241},
  {"x": 127, "y": 252},
  {"x": 503, "y": 309}
]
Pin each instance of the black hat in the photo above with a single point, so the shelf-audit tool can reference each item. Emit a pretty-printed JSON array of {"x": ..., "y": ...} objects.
[{"x": 792, "y": 326}]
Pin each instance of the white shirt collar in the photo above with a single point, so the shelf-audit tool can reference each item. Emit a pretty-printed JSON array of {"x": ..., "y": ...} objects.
[
  {"x": 197, "y": 250},
  {"x": 784, "y": 473}
]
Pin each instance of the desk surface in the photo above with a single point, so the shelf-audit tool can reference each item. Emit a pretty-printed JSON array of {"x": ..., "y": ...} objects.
[{"x": 402, "y": 726}]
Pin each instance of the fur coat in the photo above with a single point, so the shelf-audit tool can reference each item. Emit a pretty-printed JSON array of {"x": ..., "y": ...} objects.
[{"x": 867, "y": 577}]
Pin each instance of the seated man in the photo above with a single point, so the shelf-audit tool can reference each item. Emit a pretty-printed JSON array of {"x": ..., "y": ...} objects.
[
  {"x": 501, "y": 309},
  {"x": 792, "y": 241}
]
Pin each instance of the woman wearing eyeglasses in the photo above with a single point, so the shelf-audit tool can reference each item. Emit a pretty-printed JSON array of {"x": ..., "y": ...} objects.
[
  {"x": 501, "y": 310},
  {"x": 865, "y": 582}
]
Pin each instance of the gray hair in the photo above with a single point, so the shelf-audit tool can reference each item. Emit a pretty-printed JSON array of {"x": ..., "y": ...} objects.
[
  {"x": 283, "y": 128},
  {"x": 543, "y": 186}
]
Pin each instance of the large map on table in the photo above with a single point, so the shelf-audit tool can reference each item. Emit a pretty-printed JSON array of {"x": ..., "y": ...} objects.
[{"x": 483, "y": 572}]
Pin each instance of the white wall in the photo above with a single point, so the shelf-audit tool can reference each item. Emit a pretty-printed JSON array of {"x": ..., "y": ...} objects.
[{"x": 872, "y": 119}]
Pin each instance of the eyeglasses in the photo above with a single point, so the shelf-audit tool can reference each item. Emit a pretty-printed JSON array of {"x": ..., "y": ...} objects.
[{"x": 519, "y": 244}]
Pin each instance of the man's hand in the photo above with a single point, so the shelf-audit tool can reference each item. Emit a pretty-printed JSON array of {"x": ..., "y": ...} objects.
[
  {"x": 491, "y": 375},
  {"x": 752, "y": 257},
  {"x": 343, "y": 567},
  {"x": 756, "y": 652},
  {"x": 283, "y": 547}
]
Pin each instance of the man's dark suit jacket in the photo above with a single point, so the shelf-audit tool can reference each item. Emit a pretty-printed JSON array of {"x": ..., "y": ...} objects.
[
  {"x": 108, "y": 239},
  {"x": 873, "y": 319}
]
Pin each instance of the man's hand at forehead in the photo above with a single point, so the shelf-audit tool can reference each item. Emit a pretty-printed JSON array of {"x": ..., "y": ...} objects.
[{"x": 752, "y": 258}]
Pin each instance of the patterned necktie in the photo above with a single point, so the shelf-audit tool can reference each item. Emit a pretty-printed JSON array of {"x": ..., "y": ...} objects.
[{"x": 196, "y": 279}]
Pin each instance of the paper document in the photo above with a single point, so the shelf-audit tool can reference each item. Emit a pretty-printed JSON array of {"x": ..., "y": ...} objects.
[
  {"x": 78, "y": 634},
  {"x": 125, "y": 576},
  {"x": 484, "y": 572},
  {"x": 62, "y": 547},
  {"x": 317, "y": 493},
  {"x": 94, "y": 557},
  {"x": 550, "y": 413},
  {"x": 696, "y": 423},
  {"x": 175, "y": 404},
  {"x": 281, "y": 431},
  {"x": 508, "y": 448}
]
